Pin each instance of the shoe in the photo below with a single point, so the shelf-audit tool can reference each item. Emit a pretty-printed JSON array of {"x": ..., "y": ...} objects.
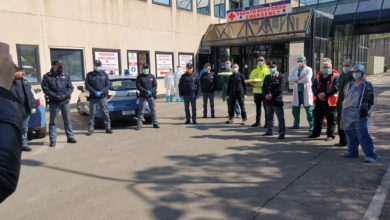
[
  {"x": 52, "y": 144},
  {"x": 229, "y": 121},
  {"x": 167, "y": 99},
  {"x": 89, "y": 133},
  {"x": 109, "y": 131},
  {"x": 187, "y": 122},
  {"x": 212, "y": 116},
  {"x": 268, "y": 134},
  {"x": 329, "y": 139},
  {"x": 255, "y": 125},
  {"x": 340, "y": 144},
  {"x": 238, "y": 116},
  {"x": 204, "y": 116},
  {"x": 265, "y": 126},
  {"x": 243, "y": 121},
  {"x": 281, "y": 136},
  {"x": 138, "y": 127},
  {"x": 194, "y": 122},
  {"x": 369, "y": 160},
  {"x": 72, "y": 141},
  {"x": 26, "y": 148},
  {"x": 156, "y": 126},
  {"x": 350, "y": 155},
  {"x": 312, "y": 136},
  {"x": 294, "y": 127}
]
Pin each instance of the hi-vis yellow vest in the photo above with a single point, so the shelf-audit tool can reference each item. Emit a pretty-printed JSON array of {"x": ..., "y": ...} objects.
[{"x": 259, "y": 73}]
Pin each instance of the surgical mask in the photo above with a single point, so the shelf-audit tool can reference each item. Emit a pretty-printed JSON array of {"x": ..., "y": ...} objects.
[
  {"x": 326, "y": 71},
  {"x": 357, "y": 75},
  {"x": 260, "y": 63},
  {"x": 235, "y": 69},
  {"x": 146, "y": 71},
  {"x": 98, "y": 68},
  {"x": 346, "y": 69},
  {"x": 228, "y": 67},
  {"x": 205, "y": 69},
  {"x": 273, "y": 71},
  {"x": 301, "y": 64}
]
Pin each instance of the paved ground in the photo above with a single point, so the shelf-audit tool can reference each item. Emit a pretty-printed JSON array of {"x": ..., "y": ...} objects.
[{"x": 207, "y": 171}]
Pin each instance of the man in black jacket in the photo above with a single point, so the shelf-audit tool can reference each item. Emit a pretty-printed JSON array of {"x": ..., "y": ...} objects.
[
  {"x": 58, "y": 88},
  {"x": 10, "y": 127},
  {"x": 236, "y": 92},
  {"x": 147, "y": 87},
  {"x": 98, "y": 84},
  {"x": 21, "y": 89},
  {"x": 208, "y": 84},
  {"x": 273, "y": 88},
  {"x": 189, "y": 90}
]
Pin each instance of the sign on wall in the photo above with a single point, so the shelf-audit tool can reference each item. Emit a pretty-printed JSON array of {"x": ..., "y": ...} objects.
[
  {"x": 133, "y": 63},
  {"x": 164, "y": 63},
  {"x": 110, "y": 60},
  {"x": 185, "y": 58},
  {"x": 260, "y": 11}
]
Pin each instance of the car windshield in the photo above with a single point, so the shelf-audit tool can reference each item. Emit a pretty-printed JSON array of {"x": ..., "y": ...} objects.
[{"x": 123, "y": 84}]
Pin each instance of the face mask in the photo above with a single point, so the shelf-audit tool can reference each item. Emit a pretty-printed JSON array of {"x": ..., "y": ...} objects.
[
  {"x": 300, "y": 65},
  {"x": 235, "y": 69},
  {"x": 98, "y": 68},
  {"x": 346, "y": 69},
  {"x": 260, "y": 63},
  {"x": 357, "y": 75},
  {"x": 228, "y": 67},
  {"x": 273, "y": 71},
  {"x": 205, "y": 69},
  {"x": 326, "y": 71},
  {"x": 146, "y": 71}
]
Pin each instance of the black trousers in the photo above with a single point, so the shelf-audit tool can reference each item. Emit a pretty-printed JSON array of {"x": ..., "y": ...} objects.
[
  {"x": 232, "y": 103},
  {"x": 322, "y": 110},
  {"x": 343, "y": 138},
  {"x": 187, "y": 101},
  {"x": 259, "y": 99},
  {"x": 209, "y": 96}
]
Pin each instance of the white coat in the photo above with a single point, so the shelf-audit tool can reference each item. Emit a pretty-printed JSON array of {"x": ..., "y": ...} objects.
[
  {"x": 305, "y": 78},
  {"x": 177, "y": 76},
  {"x": 169, "y": 81}
]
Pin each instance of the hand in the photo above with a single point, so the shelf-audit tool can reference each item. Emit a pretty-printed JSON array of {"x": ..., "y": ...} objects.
[
  {"x": 268, "y": 97},
  {"x": 61, "y": 97},
  {"x": 149, "y": 93},
  {"x": 7, "y": 67},
  {"x": 98, "y": 93},
  {"x": 322, "y": 96},
  {"x": 33, "y": 111}
]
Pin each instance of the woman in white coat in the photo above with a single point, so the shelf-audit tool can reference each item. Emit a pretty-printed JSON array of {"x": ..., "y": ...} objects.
[
  {"x": 177, "y": 76},
  {"x": 301, "y": 77},
  {"x": 169, "y": 81}
]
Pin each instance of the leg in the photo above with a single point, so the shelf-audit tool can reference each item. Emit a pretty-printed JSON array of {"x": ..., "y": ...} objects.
[
  {"x": 25, "y": 132},
  {"x": 310, "y": 116},
  {"x": 353, "y": 143},
  {"x": 265, "y": 118},
  {"x": 54, "y": 109},
  {"x": 211, "y": 97},
  {"x": 152, "y": 107},
  {"x": 269, "y": 111},
  {"x": 140, "y": 113},
  {"x": 296, "y": 111},
  {"x": 193, "y": 105},
  {"x": 318, "y": 115},
  {"x": 241, "y": 101},
  {"x": 365, "y": 139},
  {"x": 330, "y": 115},
  {"x": 258, "y": 100},
  {"x": 279, "y": 111},
  {"x": 205, "y": 97},
  {"x": 92, "y": 114},
  {"x": 340, "y": 131},
  {"x": 231, "y": 104},
  {"x": 106, "y": 115},
  {"x": 65, "y": 112},
  {"x": 237, "y": 108},
  {"x": 187, "y": 100}
]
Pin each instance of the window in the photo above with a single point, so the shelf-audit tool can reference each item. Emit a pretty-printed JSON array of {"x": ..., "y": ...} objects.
[
  {"x": 219, "y": 8},
  {"x": 162, "y": 2},
  {"x": 203, "y": 6},
  {"x": 184, "y": 4},
  {"x": 28, "y": 59},
  {"x": 136, "y": 59},
  {"x": 72, "y": 61},
  {"x": 346, "y": 7}
]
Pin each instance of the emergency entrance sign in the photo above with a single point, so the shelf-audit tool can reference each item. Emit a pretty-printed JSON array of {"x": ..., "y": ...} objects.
[
  {"x": 164, "y": 63},
  {"x": 133, "y": 63},
  {"x": 260, "y": 11},
  {"x": 110, "y": 61}
]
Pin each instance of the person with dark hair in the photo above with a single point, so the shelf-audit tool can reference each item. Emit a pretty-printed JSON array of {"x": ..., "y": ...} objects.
[
  {"x": 147, "y": 87},
  {"x": 58, "y": 89},
  {"x": 189, "y": 89},
  {"x": 21, "y": 89},
  {"x": 98, "y": 84},
  {"x": 208, "y": 84},
  {"x": 10, "y": 127}
]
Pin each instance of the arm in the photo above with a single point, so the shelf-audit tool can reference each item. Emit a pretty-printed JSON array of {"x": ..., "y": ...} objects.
[
  {"x": 154, "y": 84},
  {"x": 215, "y": 82},
  {"x": 181, "y": 86},
  {"x": 228, "y": 85},
  {"x": 334, "y": 89},
  {"x": 88, "y": 86},
  {"x": 69, "y": 87},
  {"x": 29, "y": 94},
  {"x": 243, "y": 83},
  {"x": 280, "y": 88},
  {"x": 292, "y": 77},
  {"x": 46, "y": 88},
  {"x": 197, "y": 82},
  {"x": 139, "y": 86},
  {"x": 107, "y": 84},
  {"x": 314, "y": 87},
  {"x": 307, "y": 77},
  {"x": 265, "y": 87}
]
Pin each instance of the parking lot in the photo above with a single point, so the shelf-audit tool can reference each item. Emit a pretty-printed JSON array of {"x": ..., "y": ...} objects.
[{"x": 206, "y": 171}]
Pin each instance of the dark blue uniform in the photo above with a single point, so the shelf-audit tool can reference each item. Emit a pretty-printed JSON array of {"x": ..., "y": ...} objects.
[
  {"x": 208, "y": 83},
  {"x": 58, "y": 88},
  {"x": 236, "y": 91},
  {"x": 189, "y": 90},
  {"x": 147, "y": 87},
  {"x": 98, "y": 81}
]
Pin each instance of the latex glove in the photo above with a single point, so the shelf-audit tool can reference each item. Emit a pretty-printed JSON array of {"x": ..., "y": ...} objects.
[
  {"x": 33, "y": 111},
  {"x": 268, "y": 97},
  {"x": 61, "y": 97},
  {"x": 98, "y": 93},
  {"x": 149, "y": 93},
  {"x": 322, "y": 96}
]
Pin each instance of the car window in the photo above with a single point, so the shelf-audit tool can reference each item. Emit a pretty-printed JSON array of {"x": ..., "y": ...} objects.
[{"x": 123, "y": 84}]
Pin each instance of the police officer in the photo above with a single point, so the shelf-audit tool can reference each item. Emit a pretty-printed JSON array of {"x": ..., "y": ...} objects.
[
  {"x": 98, "y": 84},
  {"x": 147, "y": 87},
  {"x": 189, "y": 90},
  {"x": 208, "y": 84},
  {"x": 58, "y": 88},
  {"x": 21, "y": 89}
]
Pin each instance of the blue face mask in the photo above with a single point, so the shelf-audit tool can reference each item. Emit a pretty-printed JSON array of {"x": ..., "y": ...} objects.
[
  {"x": 146, "y": 71},
  {"x": 98, "y": 68},
  {"x": 260, "y": 63},
  {"x": 273, "y": 71},
  {"x": 346, "y": 69},
  {"x": 357, "y": 75}
]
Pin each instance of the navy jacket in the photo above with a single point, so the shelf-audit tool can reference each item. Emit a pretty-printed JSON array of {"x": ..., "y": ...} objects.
[
  {"x": 57, "y": 87},
  {"x": 236, "y": 85},
  {"x": 325, "y": 85},
  {"x": 274, "y": 85},
  {"x": 146, "y": 82},
  {"x": 189, "y": 85},
  {"x": 10, "y": 143},
  {"x": 21, "y": 89},
  {"x": 208, "y": 83},
  {"x": 97, "y": 81}
]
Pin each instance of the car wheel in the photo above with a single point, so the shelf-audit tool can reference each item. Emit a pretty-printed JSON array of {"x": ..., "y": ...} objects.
[
  {"x": 79, "y": 110},
  {"x": 41, "y": 133}
]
